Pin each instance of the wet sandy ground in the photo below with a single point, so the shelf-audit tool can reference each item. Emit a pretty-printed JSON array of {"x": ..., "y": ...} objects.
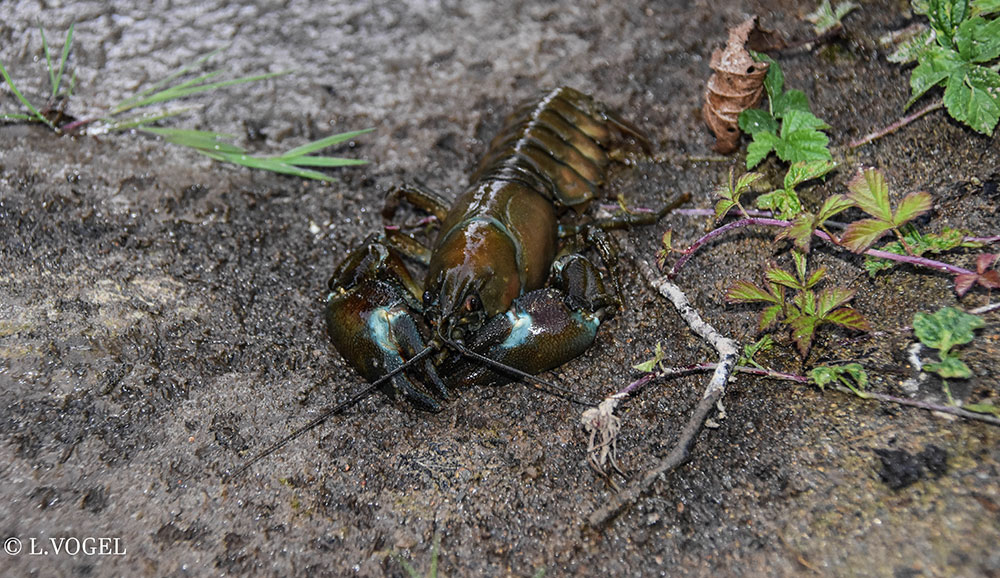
[{"x": 160, "y": 314}]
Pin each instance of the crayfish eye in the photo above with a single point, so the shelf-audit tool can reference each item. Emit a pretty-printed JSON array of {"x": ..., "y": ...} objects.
[{"x": 472, "y": 303}]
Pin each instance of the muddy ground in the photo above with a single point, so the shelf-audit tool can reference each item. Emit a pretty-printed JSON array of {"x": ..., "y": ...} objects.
[{"x": 161, "y": 314}]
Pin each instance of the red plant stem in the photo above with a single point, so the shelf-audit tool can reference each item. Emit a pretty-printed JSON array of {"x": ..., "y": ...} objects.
[
  {"x": 930, "y": 406},
  {"x": 895, "y": 126},
  {"x": 911, "y": 259}
]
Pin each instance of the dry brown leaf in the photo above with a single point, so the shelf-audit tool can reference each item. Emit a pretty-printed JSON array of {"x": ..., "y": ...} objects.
[{"x": 736, "y": 85}]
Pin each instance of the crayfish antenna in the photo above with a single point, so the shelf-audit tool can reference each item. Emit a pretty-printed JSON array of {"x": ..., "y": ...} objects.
[
  {"x": 329, "y": 412},
  {"x": 533, "y": 380}
]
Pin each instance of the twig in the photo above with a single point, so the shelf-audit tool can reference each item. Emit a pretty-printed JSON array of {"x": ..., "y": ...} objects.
[
  {"x": 728, "y": 355},
  {"x": 895, "y": 126}
]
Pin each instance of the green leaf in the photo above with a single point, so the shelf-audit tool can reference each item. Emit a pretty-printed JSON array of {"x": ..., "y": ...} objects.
[
  {"x": 761, "y": 146},
  {"x": 860, "y": 235},
  {"x": 984, "y": 7},
  {"x": 800, "y": 232},
  {"x": 946, "y": 328},
  {"x": 848, "y": 317},
  {"x": 769, "y": 316},
  {"x": 815, "y": 277},
  {"x": 974, "y": 98},
  {"x": 747, "y": 292},
  {"x": 801, "y": 139},
  {"x": 945, "y": 16},
  {"x": 833, "y": 205},
  {"x": 750, "y": 351},
  {"x": 936, "y": 66},
  {"x": 829, "y": 300},
  {"x": 826, "y": 18},
  {"x": 852, "y": 375},
  {"x": 912, "y": 48},
  {"x": 803, "y": 171},
  {"x": 754, "y": 120},
  {"x": 869, "y": 193},
  {"x": 650, "y": 364},
  {"x": 34, "y": 111},
  {"x": 784, "y": 203},
  {"x": 912, "y": 206},
  {"x": 789, "y": 101},
  {"x": 782, "y": 277},
  {"x": 774, "y": 82},
  {"x": 950, "y": 368},
  {"x": 803, "y": 329},
  {"x": 978, "y": 40}
]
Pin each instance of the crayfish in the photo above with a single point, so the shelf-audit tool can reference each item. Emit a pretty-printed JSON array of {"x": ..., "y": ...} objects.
[
  {"x": 505, "y": 295},
  {"x": 501, "y": 297}
]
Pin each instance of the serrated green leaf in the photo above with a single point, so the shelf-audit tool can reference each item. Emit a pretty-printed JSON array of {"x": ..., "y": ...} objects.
[
  {"x": 747, "y": 292},
  {"x": 784, "y": 203},
  {"x": 769, "y": 317},
  {"x": 774, "y": 82},
  {"x": 950, "y": 368},
  {"x": 874, "y": 265},
  {"x": 746, "y": 181},
  {"x": 828, "y": 301},
  {"x": 790, "y": 100},
  {"x": 650, "y": 364},
  {"x": 860, "y": 235},
  {"x": 978, "y": 40},
  {"x": 782, "y": 277},
  {"x": 946, "y": 328},
  {"x": 912, "y": 206},
  {"x": 799, "y": 259},
  {"x": 803, "y": 171},
  {"x": 833, "y": 205},
  {"x": 754, "y": 120},
  {"x": 762, "y": 145},
  {"x": 974, "y": 98},
  {"x": 945, "y": 16},
  {"x": 803, "y": 330},
  {"x": 751, "y": 350},
  {"x": 826, "y": 18},
  {"x": 722, "y": 208},
  {"x": 868, "y": 192},
  {"x": 852, "y": 375},
  {"x": 801, "y": 139},
  {"x": 912, "y": 48},
  {"x": 935, "y": 66},
  {"x": 815, "y": 277},
  {"x": 985, "y": 7},
  {"x": 800, "y": 231},
  {"x": 848, "y": 317}
]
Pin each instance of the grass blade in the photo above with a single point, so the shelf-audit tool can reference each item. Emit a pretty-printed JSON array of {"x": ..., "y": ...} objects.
[
  {"x": 137, "y": 121},
  {"x": 127, "y": 103},
  {"x": 197, "y": 139},
  {"x": 48, "y": 61},
  {"x": 321, "y": 161},
  {"x": 62, "y": 61},
  {"x": 175, "y": 93},
  {"x": 24, "y": 101},
  {"x": 275, "y": 166},
  {"x": 6, "y": 116},
  {"x": 322, "y": 143}
]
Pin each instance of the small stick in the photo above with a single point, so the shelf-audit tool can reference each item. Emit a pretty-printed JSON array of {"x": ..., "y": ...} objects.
[
  {"x": 728, "y": 355},
  {"x": 895, "y": 126}
]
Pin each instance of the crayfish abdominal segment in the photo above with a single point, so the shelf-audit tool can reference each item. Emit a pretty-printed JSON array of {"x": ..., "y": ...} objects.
[{"x": 498, "y": 288}]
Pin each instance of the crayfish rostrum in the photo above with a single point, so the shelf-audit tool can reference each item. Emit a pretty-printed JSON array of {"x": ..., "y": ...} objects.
[{"x": 503, "y": 289}]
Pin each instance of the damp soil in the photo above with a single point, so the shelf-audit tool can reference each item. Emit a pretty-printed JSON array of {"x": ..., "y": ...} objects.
[{"x": 161, "y": 314}]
